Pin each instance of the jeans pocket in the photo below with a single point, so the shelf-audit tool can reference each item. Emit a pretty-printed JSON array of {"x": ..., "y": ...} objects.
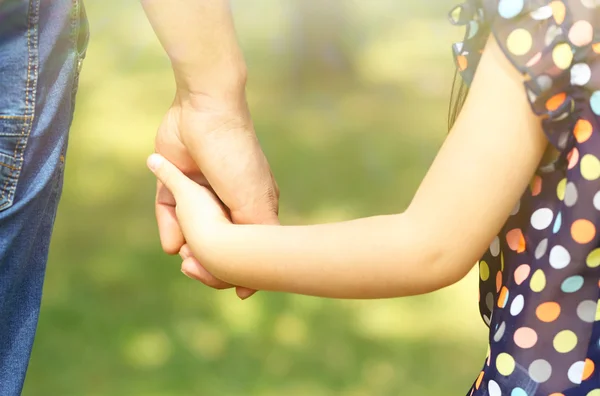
[
  {"x": 11, "y": 143},
  {"x": 17, "y": 36},
  {"x": 18, "y": 74}
]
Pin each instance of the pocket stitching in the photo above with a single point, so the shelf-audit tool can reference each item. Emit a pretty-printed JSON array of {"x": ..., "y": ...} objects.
[{"x": 9, "y": 186}]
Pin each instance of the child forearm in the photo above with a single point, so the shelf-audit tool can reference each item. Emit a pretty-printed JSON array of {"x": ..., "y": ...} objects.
[{"x": 374, "y": 257}]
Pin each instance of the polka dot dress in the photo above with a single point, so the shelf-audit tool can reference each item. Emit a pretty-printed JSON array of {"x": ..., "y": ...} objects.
[{"x": 539, "y": 279}]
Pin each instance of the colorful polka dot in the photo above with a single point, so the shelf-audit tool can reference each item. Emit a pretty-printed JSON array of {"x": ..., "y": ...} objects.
[
  {"x": 556, "y": 101},
  {"x": 586, "y": 310},
  {"x": 489, "y": 301},
  {"x": 517, "y": 305},
  {"x": 498, "y": 281},
  {"x": 503, "y": 297},
  {"x": 541, "y": 248},
  {"x": 495, "y": 247},
  {"x": 500, "y": 332},
  {"x": 581, "y": 33},
  {"x": 573, "y": 158},
  {"x": 487, "y": 320},
  {"x": 559, "y": 257},
  {"x": 473, "y": 29},
  {"x": 479, "y": 379},
  {"x": 593, "y": 259},
  {"x": 484, "y": 270},
  {"x": 494, "y": 389},
  {"x": 534, "y": 59},
  {"x": 562, "y": 56},
  {"x": 538, "y": 281},
  {"x": 570, "y": 194},
  {"x": 560, "y": 189},
  {"x": 580, "y": 74},
  {"x": 572, "y": 284},
  {"x": 544, "y": 82},
  {"x": 588, "y": 369},
  {"x": 518, "y": 392},
  {"x": 521, "y": 273},
  {"x": 552, "y": 33},
  {"x": 590, "y": 3},
  {"x": 548, "y": 311},
  {"x": 595, "y": 102},
  {"x": 541, "y": 218},
  {"x": 505, "y": 364},
  {"x": 540, "y": 370},
  {"x": 515, "y": 240},
  {"x": 583, "y": 231},
  {"x": 516, "y": 208},
  {"x": 541, "y": 13},
  {"x": 557, "y": 223},
  {"x": 575, "y": 372},
  {"x": 462, "y": 62},
  {"x": 558, "y": 11},
  {"x": 510, "y": 8},
  {"x": 590, "y": 167},
  {"x": 519, "y": 42},
  {"x": 565, "y": 341},
  {"x": 583, "y": 130},
  {"x": 525, "y": 337},
  {"x": 536, "y": 185},
  {"x": 596, "y": 201}
]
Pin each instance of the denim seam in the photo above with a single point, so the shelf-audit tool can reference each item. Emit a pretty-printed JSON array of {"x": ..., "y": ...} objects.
[
  {"x": 76, "y": 30},
  {"x": 14, "y": 117},
  {"x": 74, "y": 27},
  {"x": 8, "y": 166},
  {"x": 8, "y": 190}
]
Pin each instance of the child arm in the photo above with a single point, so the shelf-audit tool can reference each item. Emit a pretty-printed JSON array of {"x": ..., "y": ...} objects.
[{"x": 468, "y": 193}]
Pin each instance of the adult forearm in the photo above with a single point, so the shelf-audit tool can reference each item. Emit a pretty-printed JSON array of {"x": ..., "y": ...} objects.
[{"x": 199, "y": 38}]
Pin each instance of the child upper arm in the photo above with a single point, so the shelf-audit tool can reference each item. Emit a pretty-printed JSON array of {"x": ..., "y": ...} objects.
[{"x": 483, "y": 167}]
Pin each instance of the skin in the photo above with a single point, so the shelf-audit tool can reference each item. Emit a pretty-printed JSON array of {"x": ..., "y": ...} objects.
[
  {"x": 478, "y": 176},
  {"x": 207, "y": 132}
]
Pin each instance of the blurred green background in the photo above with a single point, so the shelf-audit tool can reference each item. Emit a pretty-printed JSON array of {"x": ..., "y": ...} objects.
[{"x": 350, "y": 101}]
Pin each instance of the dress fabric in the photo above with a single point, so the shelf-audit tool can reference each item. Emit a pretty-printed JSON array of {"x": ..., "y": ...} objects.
[{"x": 539, "y": 279}]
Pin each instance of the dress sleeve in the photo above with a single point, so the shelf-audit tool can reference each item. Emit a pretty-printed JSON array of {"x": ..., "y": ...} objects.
[{"x": 554, "y": 44}]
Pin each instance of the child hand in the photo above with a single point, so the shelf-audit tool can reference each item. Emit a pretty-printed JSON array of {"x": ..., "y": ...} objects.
[{"x": 201, "y": 216}]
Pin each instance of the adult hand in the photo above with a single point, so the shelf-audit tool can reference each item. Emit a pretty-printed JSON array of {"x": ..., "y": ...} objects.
[{"x": 212, "y": 141}]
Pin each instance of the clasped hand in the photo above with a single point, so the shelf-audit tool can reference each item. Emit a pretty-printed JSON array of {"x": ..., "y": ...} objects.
[{"x": 208, "y": 145}]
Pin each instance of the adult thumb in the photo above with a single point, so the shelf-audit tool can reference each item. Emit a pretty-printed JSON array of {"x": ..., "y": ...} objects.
[{"x": 168, "y": 174}]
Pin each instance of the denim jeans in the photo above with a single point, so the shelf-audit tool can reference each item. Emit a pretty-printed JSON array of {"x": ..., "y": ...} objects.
[{"x": 42, "y": 46}]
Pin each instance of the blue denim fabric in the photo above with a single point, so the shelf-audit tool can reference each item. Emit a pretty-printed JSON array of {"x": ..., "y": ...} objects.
[{"x": 42, "y": 45}]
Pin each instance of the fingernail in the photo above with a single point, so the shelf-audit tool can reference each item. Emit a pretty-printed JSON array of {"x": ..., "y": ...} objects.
[
  {"x": 154, "y": 161},
  {"x": 188, "y": 274}
]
